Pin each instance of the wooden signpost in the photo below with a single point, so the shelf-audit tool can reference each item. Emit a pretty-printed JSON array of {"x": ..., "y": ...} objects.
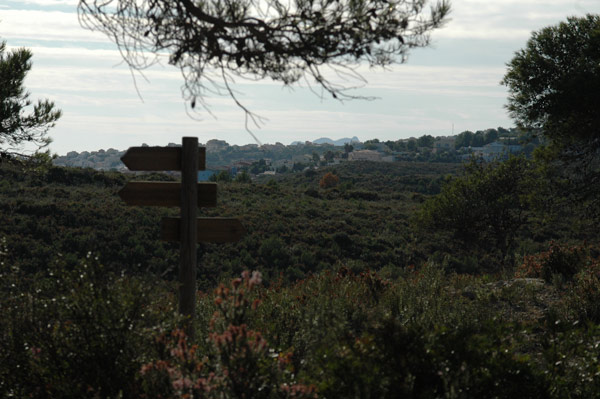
[{"x": 189, "y": 195}]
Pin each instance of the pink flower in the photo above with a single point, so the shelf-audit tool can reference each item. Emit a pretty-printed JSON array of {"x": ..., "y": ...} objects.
[
  {"x": 146, "y": 368},
  {"x": 35, "y": 351},
  {"x": 182, "y": 383},
  {"x": 256, "y": 278}
]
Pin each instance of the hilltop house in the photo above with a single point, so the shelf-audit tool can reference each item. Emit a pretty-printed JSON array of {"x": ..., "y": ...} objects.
[
  {"x": 492, "y": 151},
  {"x": 364, "y": 155},
  {"x": 443, "y": 144}
]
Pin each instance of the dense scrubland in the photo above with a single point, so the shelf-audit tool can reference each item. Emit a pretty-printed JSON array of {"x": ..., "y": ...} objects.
[
  {"x": 362, "y": 280},
  {"x": 395, "y": 279}
]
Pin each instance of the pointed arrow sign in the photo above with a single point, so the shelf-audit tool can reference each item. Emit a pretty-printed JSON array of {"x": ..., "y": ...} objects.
[
  {"x": 216, "y": 230},
  {"x": 158, "y": 158},
  {"x": 165, "y": 194}
]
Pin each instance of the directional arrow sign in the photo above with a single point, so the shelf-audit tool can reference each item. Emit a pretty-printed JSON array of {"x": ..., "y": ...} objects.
[
  {"x": 158, "y": 158},
  {"x": 165, "y": 194},
  {"x": 217, "y": 230}
]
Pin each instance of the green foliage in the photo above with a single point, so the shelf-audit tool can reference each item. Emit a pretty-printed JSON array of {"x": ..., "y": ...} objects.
[
  {"x": 426, "y": 141},
  {"x": 75, "y": 331},
  {"x": 329, "y": 180},
  {"x": 16, "y": 126},
  {"x": 565, "y": 261},
  {"x": 273, "y": 253},
  {"x": 554, "y": 85},
  {"x": 243, "y": 177},
  {"x": 554, "y": 82},
  {"x": 403, "y": 360},
  {"x": 571, "y": 360},
  {"x": 237, "y": 364},
  {"x": 482, "y": 209},
  {"x": 584, "y": 296},
  {"x": 82, "y": 332},
  {"x": 49, "y": 212},
  {"x": 411, "y": 145},
  {"x": 72, "y": 211},
  {"x": 84, "y": 328},
  {"x": 360, "y": 336},
  {"x": 222, "y": 176},
  {"x": 477, "y": 139}
]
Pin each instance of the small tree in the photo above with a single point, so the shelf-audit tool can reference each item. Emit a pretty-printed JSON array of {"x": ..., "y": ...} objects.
[
  {"x": 243, "y": 177},
  {"x": 554, "y": 86},
  {"x": 554, "y": 82},
  {"x": 329, "y": 180},
  {"x": 222, "y": 176},
  {"x": 426, "y": 140},
  {"x": 329, "y": 156},
  {"x": 484, "y": 208},
  {"x": 16, "y": 126},
  {"x": 315, "y": 157}
]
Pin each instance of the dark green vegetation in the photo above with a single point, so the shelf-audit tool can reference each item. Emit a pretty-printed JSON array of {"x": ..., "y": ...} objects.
[
  {"x": 373, "y": 280},
  {"x": 294, "y": 227},
  {"x": 554, "y": 85},
  {"x": 359, "y": 296}
]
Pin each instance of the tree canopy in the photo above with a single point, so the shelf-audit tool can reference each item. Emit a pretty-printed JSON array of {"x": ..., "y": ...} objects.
[
  {"x": 16, "y": 126},
  {"x": 554, "y": 82},
  {"x": 213, "y": 42},
  {"x": 484, "y": 208},
  {"x": 554, "y": 86}
]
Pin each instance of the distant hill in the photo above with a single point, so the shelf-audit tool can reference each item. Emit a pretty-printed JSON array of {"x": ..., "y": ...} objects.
[{"x": 327, "y": 140}]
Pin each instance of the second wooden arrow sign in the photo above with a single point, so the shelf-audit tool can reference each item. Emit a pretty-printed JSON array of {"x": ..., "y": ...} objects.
[{"x": 165, "y": 194}]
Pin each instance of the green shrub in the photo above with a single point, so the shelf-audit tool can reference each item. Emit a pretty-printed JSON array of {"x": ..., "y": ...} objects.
[
  {"x": 564, "y": 261},
  {"x": 570, "y": 359},
  {"x": 359, "y": 336},
  {"x": 398, "y": 360},
  {"x": 75, "y": 333},
  {"x": 237, "y": 364}
]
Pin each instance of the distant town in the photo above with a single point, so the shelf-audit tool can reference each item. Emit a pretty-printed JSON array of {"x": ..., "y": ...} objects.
[{"x": 271, "y": 159}]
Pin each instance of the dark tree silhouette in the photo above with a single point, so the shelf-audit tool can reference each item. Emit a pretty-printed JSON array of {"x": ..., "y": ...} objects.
[
  {"x": 554, "y": 82},
  {"x": 213, "y": 42},
  {"x": 16, "y": 126},
  {"x": 554, "y": 86}
]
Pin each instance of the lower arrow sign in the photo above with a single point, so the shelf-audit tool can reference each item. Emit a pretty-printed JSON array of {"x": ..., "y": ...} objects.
[{"x": 218, "y": 230}]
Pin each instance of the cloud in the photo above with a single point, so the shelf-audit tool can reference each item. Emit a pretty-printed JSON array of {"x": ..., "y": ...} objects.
[
  {"x": 50, "y": 3},
  {"x": 47, "y": 26},
  {"x": 83, "y": 72},
  {"x": 100, "y": 103},
  {"x": 508, "y": 19}
]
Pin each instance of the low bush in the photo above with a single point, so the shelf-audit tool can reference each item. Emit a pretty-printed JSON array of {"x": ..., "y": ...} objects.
[
  {"x": 560, "y": 260},
  {"x": 76, "y": 332},
  {"x": 238, "y": 362}
]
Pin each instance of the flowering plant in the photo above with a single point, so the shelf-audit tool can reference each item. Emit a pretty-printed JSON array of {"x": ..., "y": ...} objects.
[{"x": 239, "y": 363}]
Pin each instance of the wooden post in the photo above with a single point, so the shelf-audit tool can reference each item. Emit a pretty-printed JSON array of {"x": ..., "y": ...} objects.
[
  {"x": 188, "y": 229},
  {"x": 189, "y": 212}
]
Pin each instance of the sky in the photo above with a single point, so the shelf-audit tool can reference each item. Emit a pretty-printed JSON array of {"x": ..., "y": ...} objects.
[{"x": 449, "y": 87}]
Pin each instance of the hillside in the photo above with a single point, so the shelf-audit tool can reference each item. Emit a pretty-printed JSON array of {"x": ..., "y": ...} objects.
[
  {"x": 489, "y": 144},
  {"x": 351, "y": 296},
  {"x": 294, "y": 227}
]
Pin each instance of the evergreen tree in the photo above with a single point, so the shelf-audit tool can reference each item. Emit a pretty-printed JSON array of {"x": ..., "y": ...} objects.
[{"x": 17, "y": 127}]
